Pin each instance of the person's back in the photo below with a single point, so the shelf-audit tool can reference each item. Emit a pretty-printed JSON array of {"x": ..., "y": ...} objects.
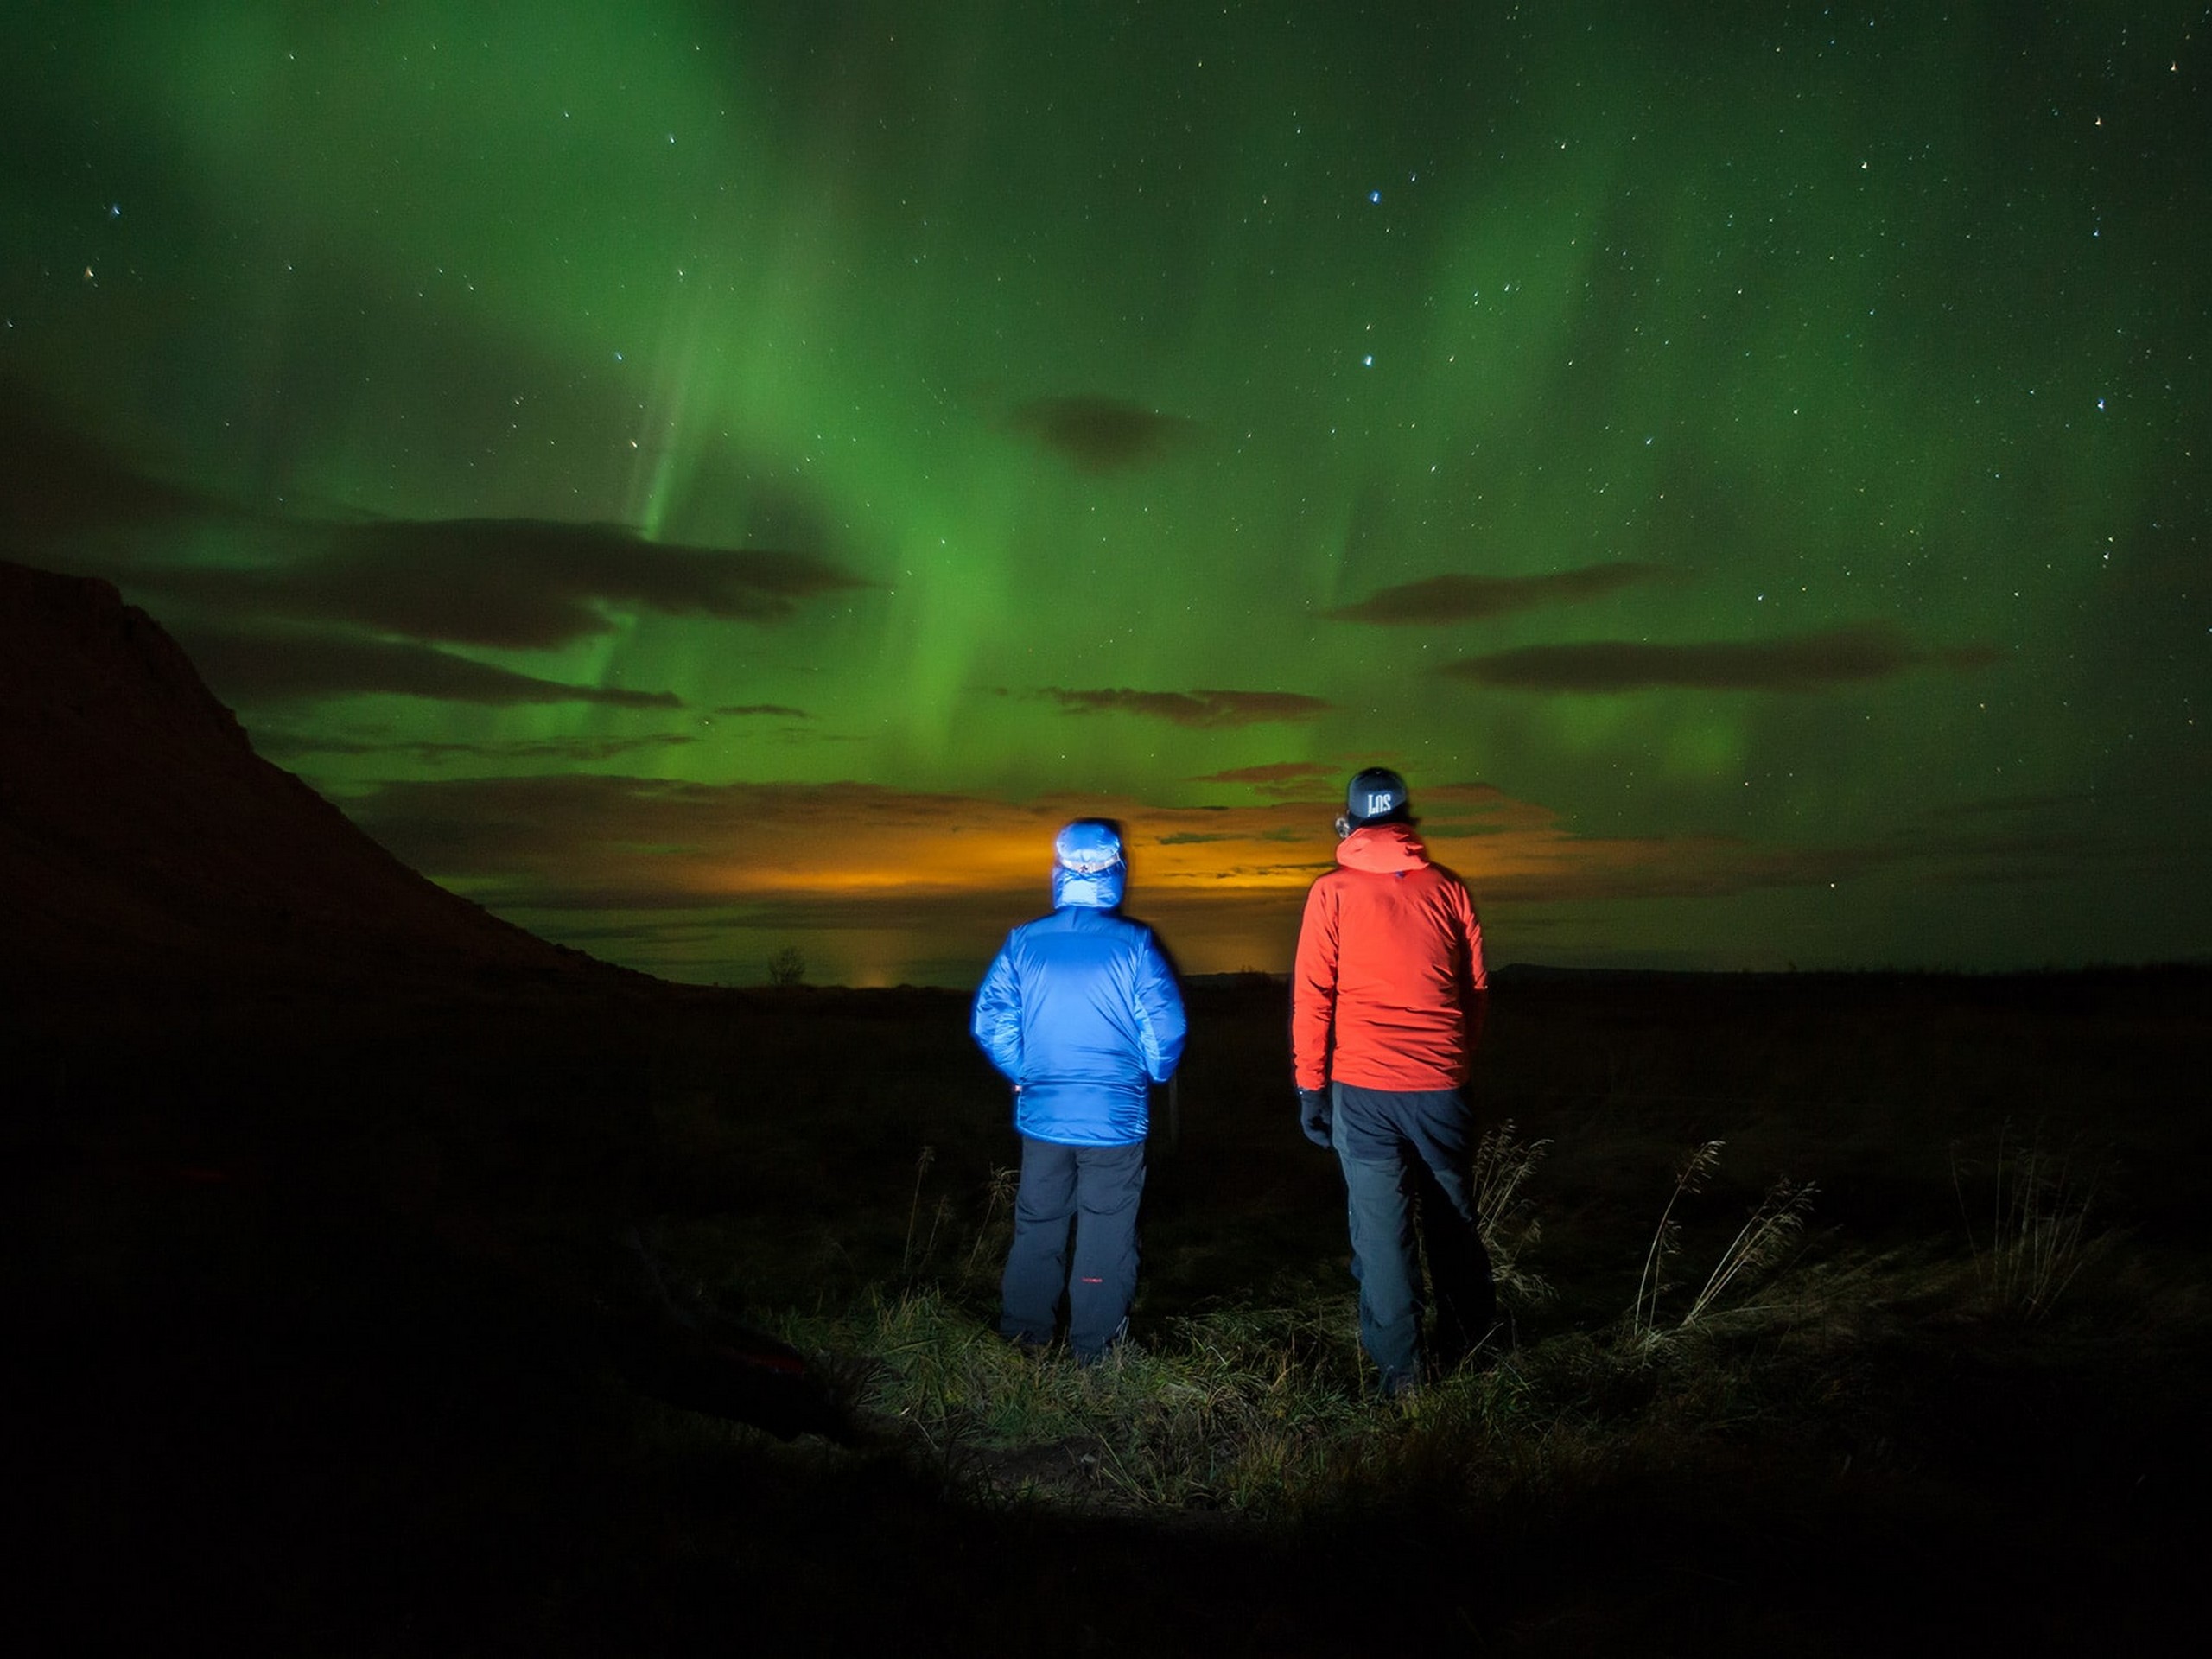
[
  {"x": 1079, "y": 1010},
  {"x": 1390, "y": 977},
  {"x": 1071, "y": 1003}
]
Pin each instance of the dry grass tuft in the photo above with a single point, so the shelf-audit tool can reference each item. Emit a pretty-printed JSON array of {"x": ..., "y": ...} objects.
[
  {"x": 2038, "y": 1204},
  {"x": 1510, "y": 1229}
]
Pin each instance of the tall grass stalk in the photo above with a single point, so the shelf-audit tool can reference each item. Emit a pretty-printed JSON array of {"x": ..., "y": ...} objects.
[
  {"x": 1764, "y": 1239},
  {"x": 1666, "y": 1240},
  {"x": 914, "y": 1212},
  {"x": 998, "y": 1195}
]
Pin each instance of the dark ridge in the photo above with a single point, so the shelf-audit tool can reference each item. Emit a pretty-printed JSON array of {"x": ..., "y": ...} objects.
[{"x": 148, "y": 854}]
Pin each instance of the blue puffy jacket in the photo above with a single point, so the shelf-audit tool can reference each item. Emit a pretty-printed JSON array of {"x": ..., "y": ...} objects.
[{"x": 1081, "y": 1011}]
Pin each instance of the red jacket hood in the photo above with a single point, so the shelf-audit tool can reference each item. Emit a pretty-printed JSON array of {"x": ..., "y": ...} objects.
[{"x": 1383, "y": 848}]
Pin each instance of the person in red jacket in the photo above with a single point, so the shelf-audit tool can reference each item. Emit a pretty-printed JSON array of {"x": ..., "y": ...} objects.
[{"x": 1387, "y": 1004}]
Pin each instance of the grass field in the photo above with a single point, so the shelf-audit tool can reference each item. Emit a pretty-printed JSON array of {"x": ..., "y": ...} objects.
[{"x": 1850, "y": 1314}]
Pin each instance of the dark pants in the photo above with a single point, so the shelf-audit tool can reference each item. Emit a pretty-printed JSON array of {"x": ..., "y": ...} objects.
[
  {"x": 1408, "y": 1162},
  {"x": 1097, "y": 1188}
]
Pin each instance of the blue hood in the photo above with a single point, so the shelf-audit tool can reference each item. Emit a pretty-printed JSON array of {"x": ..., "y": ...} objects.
[{"x": 1088, "y": 871}]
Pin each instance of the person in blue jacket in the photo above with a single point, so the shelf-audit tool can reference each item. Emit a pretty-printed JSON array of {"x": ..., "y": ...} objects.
[{"x": 1081, "y": 1012}]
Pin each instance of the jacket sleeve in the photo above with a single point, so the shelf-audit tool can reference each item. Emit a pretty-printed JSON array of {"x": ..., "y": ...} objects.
[
  {"x": 1474, "y": 990},
  {"x": 1313, "y": 991},
  {"x": 1162, "y": 1024},
  {"x": 995, "y": 1020}
]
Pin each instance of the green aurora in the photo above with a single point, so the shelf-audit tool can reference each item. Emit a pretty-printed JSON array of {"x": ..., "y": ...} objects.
[{"x": 706, "y": 478}]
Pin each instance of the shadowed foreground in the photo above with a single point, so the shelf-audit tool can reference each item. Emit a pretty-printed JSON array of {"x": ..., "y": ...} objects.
[{"x": 568, "y": 1324}]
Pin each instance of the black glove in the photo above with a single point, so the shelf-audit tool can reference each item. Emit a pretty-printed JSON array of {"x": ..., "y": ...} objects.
[{"x": 1313, "y": 1115}]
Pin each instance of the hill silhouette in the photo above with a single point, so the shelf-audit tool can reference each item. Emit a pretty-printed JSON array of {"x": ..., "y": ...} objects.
[{"x": 144, "y": 846}]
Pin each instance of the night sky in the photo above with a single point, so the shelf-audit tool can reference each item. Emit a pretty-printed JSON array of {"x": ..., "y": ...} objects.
[{"x": 702, "y": 478}]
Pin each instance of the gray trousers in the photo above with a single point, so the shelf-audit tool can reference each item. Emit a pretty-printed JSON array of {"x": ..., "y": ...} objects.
[{"x": 1093, "y": 1191}]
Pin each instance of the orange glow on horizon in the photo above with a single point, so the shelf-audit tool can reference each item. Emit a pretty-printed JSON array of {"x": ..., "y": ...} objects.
[
  {"x": 950, "y": 847},
  {"x": 931, "y": 882}
]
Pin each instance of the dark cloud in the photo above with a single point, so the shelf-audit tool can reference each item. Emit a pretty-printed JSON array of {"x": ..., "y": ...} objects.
[
  {"x": 1100, "y": 435},
  {"x": 1727, "y": 867},
  {"x": 1200, "y": 708},
  {"x": 266, "y": 668},
  {"x": 59, "y": 486},
  {"x": 2007, "y": 805},
  {"x": 1463, "y": 598},
  {"x": 514, "y": 584},
  {"x": 1302, "y": 832},
  {"x": 1280, "y": 772},
  {"x": 773, "y": 708},
  {"x": 1810, "y": 662},
  {"x": 580, "y": 749},
  {"x": 1281, "y": 780}
]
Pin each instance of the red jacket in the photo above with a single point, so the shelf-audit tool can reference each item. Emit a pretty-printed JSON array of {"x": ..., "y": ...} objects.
[{"x": 1388, "y": 989}]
